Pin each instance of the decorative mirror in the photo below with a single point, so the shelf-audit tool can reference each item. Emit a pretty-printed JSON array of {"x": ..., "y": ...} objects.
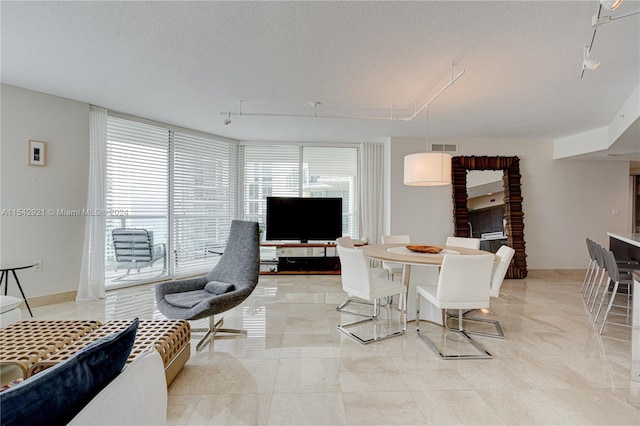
[{"x": 513, "y": 215}]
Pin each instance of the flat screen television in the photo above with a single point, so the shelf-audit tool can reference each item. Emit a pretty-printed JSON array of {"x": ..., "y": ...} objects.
[{"x": 304, "y": 219}]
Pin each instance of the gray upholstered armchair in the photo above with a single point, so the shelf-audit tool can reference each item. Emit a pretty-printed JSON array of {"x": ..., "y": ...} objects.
[{"x": 230, "y": 282}]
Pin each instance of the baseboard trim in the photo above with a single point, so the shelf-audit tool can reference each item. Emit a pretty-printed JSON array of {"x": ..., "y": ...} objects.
[
  {"x": 557, "y": 274},
  {"x": 547, "y": 274},
  {"x": 50, "y": 299}
]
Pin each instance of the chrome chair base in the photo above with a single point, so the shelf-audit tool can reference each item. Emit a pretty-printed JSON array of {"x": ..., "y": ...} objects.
[
  {"x": 360, "y": 302},
  {"x": 362, "y": 341},
  {"x": 212, "y": 330},
  {"x": 376, "y": 312},
  {"x": 350, "y": 300},
  {"x": 499, "y": 334},
  {"x": 612, "y": 304},
  {"x": 484, "y": 353}
]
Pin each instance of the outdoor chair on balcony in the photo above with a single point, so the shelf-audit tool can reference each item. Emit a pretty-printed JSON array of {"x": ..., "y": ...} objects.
[{"x": 134, "y": 249}]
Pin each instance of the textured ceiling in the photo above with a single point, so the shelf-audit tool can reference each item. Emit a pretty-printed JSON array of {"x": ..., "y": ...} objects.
[{"x": 186, "y": 62}]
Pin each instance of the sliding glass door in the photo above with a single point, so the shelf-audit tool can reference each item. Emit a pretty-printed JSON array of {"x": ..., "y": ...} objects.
[
  {"x": 173, "y": 193},
  {"x": 137, "y": 198},
  {"x": 298, "y": 171},
  {"x": 203, "y": 200},
  {"x": 177, "y": 186}
]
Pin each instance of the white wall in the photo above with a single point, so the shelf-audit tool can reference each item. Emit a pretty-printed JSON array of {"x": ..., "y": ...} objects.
[
  {"x": 485, "y": 201},
  {"x": 564, "y": 201},
  {"x": 603, "y": 137},
  {"x": 61, "y": 184},
  {"x": 424, "y": 213}
]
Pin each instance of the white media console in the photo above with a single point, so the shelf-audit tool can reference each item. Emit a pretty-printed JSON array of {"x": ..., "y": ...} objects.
[{"x": 299, "y": 258}]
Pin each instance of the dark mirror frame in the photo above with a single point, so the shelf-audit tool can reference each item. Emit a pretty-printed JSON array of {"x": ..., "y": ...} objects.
[{"x": 512, "y": 203}]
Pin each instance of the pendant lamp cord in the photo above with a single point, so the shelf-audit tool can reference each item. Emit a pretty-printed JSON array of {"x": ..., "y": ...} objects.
[{"x": 427, "y": 150}]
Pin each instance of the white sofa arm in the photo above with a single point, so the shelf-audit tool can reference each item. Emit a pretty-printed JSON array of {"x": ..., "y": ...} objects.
[
  {"x": 137, "y": 396},
  {"x": 9, "y": 310}
]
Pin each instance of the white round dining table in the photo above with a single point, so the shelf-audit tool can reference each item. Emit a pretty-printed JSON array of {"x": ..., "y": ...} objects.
[{"x": 399, "y": 253}]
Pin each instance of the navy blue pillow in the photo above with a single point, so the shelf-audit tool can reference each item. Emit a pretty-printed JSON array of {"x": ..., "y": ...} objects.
[{"x": 56, "y": 395}]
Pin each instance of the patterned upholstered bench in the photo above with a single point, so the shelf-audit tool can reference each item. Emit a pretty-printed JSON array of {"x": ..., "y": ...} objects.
[{"x": 34, "y": 346}]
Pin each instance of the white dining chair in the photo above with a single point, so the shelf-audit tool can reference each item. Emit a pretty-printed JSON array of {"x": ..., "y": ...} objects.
[
  {"x": 500, "y": 268},
  {"x": 464, "y": 283},
  {"x": 393, "y": 267},
  {"x": 472, "y": 243},
  {"x": 347, "y": 242},
  {"x": 359, "y": 281}
]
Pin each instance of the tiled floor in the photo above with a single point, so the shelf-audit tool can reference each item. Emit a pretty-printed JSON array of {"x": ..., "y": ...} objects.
[{"x": 295, "y": 368}]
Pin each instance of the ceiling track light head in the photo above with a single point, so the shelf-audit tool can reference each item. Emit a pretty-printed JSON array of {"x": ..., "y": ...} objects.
[
  {"x": 227, "y": 120},
  {"x": 589, "y": 63},
  {"x": 315, "y": 105},
  {"x": 598, "y": 21},
  {"x": 610, "y": 4}
]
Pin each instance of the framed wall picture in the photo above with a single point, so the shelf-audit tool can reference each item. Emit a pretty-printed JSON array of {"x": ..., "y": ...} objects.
[{"x": 37, "y": 153}]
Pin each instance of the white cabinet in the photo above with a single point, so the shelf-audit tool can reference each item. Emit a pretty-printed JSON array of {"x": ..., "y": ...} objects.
[{"x": 302, "y": 258}]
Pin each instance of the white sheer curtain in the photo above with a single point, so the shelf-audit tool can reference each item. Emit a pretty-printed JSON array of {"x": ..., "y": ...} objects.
[
  {"x": 91, "y": 286},
  {"x": 371, "y": 195}
]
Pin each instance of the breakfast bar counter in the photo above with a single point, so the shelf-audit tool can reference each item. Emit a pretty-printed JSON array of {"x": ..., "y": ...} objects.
[
  {"x": 625, "y": 245},
  {"x": 635, "y": 330}
]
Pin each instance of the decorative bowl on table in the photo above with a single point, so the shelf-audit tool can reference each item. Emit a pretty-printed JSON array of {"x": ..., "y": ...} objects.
[{"x": 425, "y": 249}]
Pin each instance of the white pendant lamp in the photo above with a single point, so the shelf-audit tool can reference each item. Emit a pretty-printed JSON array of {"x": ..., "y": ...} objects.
[{"x": 427, "y": 169}]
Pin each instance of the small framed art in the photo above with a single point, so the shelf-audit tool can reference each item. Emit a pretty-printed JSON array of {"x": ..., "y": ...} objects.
[{"x": 37, "y": 153}]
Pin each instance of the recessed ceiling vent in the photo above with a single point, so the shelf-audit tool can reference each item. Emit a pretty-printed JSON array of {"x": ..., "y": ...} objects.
[{"x": 440, "y": 147}]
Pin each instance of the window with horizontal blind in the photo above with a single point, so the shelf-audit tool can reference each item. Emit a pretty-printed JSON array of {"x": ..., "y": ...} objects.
[
  {"x": 177, "y": 185},
  {"x": 298, "y": 171},
  {"x": 267, "y": 171},
  {"x": 137, "y": 190},
  {"x": 333, "y": 172},
  {"x": 203, "y": 200}
]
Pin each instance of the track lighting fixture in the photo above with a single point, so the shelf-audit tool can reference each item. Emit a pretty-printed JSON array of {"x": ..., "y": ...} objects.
[
  {"x": 598, "y": 20},
  {"x": 589, "y": 63},
  {"x": 409, "y": 116},
  {"x": 610, "y": 4}
]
